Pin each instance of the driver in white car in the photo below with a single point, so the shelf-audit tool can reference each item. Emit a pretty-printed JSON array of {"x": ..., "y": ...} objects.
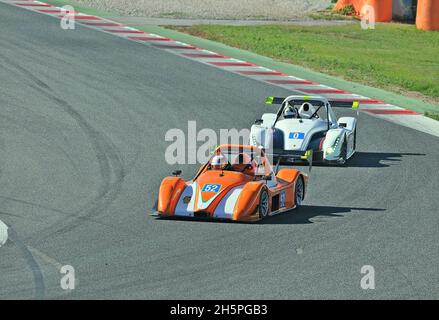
[{"x": 291, "y": 113}]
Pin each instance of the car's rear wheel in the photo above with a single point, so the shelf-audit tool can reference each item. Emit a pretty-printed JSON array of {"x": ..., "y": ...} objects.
[
  {"x": 263, "y": 204},
  {"x": 300, "y": 192}
]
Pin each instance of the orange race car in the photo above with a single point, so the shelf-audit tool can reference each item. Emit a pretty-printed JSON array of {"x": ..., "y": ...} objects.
[{"x": 237, "y": 183}]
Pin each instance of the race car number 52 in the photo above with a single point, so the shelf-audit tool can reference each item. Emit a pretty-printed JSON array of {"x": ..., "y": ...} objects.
[
  {"x": 211, "y": 188},
  {"x": 237, "y": 309}
]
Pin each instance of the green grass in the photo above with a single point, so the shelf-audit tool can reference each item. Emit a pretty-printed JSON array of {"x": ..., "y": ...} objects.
[
  {"x": 395, "y": 57},
  {"x": 348, "y": 10},
  {"x": 432, "y": 115},
  {"x": 330, "y": 14}
]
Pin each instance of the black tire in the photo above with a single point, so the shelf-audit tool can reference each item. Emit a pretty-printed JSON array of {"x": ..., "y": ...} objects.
[
  {"x": 300, "y": 192},
  {"x": 355, "y": 139},
  {"x": 263, "y": 204}
]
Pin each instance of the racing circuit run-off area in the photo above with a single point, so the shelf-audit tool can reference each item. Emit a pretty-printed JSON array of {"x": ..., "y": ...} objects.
[{"x": 219, "y": 158}]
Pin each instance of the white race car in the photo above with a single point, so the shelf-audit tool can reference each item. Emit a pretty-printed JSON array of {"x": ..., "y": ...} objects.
[{"x": 306, "y": 123}]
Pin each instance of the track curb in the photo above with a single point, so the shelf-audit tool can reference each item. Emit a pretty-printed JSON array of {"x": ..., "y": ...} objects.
[{"x": 297, "y": 79}]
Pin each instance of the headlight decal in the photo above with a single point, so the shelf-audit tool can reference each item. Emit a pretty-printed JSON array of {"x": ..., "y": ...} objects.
[{"x": 332, "y": 149}]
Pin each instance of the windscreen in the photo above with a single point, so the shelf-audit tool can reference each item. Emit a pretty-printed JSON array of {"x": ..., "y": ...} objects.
[{"x": 238, "y": 159}]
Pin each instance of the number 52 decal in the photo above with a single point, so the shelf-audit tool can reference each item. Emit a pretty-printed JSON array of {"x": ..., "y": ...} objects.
[{"x": 211, "y": 188}]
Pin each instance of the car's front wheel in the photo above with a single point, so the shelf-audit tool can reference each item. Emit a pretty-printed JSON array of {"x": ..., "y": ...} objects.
[{"x": 300, "y": 192}]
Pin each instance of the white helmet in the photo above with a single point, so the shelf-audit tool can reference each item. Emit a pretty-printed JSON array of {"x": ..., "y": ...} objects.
[
  {"x": 290, "y": 112},
  {"x": 218, "y": 162},
  {"x": 306, "y": 111}
]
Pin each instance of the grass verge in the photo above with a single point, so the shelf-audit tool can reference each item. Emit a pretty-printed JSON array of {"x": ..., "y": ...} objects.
[
  {"x": 395, "y": 57},
  {"x": 432, "y": 115},
  {"x": 329, "y": 14},
  {"x": 414, "y": 101}
]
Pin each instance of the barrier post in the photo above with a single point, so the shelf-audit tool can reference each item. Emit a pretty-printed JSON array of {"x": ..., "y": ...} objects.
[
  {"x": 382, "y": 8},
  {"x": 427, "y": 17}
]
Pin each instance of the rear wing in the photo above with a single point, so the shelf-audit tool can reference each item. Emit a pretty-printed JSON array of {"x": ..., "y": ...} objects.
[
  {"x": 297, "y": 99},
  {"x": 274, "y": 100},
  {"x": 355, "y": 105},
  {"x": 292, "y": 157}
]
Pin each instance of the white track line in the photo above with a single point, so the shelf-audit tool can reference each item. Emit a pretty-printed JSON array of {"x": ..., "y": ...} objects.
[{"x": 3, "y": 233}]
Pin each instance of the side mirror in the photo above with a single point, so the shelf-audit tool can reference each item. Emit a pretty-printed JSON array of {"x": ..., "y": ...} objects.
[
  {"x": 259, "y": 121},
  {"x": 176, "y": 173},
  {"x": 267, "y": 177}
]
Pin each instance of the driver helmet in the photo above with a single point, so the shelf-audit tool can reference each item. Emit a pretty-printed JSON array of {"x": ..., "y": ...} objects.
[
  {"x": 218, "y": 162},
  {"x": 290, "y": 112},
  {"x": 306, "y": 111}
]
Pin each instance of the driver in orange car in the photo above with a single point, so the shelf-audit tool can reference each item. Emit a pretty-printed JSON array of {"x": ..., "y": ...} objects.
[{"x": 218, "y": 162}]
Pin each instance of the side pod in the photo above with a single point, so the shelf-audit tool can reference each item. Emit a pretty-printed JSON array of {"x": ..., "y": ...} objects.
[
  {"x": 248, "y": 201},
  {"x": 169, "y": 193},
  {"x": 290, "y": 176}
]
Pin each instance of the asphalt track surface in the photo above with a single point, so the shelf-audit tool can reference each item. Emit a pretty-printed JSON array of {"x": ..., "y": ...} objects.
[{"x": 83, "y": 117}]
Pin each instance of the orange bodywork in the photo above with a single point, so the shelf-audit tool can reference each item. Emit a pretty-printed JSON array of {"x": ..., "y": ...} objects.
[
  {"x": 228, "y": 194},
  {"x": 170, "y": 191},
  {"x": 383, "y": 8},
  {"x": 428, "y": 15}
]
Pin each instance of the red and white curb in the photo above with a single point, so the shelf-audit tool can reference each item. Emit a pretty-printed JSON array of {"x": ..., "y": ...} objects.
[{"x": 297, "y": 85}]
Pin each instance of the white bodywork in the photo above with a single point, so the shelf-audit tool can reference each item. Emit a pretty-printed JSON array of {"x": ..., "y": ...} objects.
[
  {"x": 224, "y": 209},
  {"x": 298, "y": 133}
]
